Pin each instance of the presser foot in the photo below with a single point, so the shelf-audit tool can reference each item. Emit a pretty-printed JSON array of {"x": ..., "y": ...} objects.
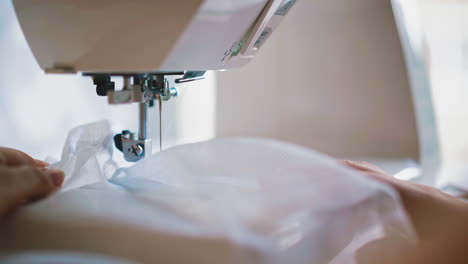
[{"x": 133, "y": 149}]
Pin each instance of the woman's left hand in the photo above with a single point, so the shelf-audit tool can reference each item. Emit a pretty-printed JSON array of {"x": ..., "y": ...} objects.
[{"x": 24, "y": 179}]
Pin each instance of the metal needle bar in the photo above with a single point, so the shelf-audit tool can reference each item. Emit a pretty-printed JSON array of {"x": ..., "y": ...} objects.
[
  {"x": 143, "y": 121},
  {"x": 160, "y": 123}
]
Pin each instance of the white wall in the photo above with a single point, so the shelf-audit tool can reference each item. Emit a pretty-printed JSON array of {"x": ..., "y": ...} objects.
[{"x": 332, "y": 77}]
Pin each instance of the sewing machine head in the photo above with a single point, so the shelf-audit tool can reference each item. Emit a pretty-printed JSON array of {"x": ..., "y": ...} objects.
[{"x": 144, "y": 41}]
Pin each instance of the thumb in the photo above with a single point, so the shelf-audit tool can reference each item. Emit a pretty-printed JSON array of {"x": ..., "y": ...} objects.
[{"x": 22, "y": 184}]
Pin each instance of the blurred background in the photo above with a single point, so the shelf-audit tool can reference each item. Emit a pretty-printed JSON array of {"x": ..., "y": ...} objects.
[
  {"x": 333, "y": 77},
  {"x": 435, "y": 39}
]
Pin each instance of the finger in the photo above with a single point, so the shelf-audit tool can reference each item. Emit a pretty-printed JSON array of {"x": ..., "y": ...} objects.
[
  {"x": 57, "y": 176},
  {"x": 363, "y": 166},
  {"x": 385, "y": 178},
  {"x": 15, "y": 158},
  {"x": 374, "y": 172},
  {"x": 41, "y": 163},
  {"x": 31, "y": 182},
  {"x": 27, "y": 183}
]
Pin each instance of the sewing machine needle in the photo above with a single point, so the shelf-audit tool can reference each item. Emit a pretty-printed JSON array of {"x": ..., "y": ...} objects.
[{"x": 160, "y": 124}]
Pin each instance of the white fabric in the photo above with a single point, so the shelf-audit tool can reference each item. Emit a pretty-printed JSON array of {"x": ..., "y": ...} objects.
[{"x": 238, "y": 200}]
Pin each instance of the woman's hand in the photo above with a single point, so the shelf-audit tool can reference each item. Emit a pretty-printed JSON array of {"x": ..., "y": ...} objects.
[
  {"x": 440, "y": 221},
  {"x": 24, "y": 179}
]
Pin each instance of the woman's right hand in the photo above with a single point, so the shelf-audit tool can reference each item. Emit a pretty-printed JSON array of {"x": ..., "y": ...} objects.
[{"x": 439, "y": 219}]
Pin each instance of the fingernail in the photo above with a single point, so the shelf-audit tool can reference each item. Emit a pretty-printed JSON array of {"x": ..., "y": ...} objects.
[{"x": 57, "y": 176}]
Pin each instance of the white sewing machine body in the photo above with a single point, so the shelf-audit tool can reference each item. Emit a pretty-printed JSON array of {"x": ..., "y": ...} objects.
[
  {"x": 145, "y": 41},
  {"x": 147, "y": 36}
]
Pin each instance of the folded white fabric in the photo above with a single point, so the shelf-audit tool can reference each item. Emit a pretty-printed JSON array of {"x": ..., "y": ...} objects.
[
  {"x": 271, "y": 202},
  {"x": 289, "y": 203},
  {"x": 87, "y": 156}
]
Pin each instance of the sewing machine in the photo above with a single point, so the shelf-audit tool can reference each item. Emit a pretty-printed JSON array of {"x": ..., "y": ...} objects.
[{"x": 144, "y": 42}]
